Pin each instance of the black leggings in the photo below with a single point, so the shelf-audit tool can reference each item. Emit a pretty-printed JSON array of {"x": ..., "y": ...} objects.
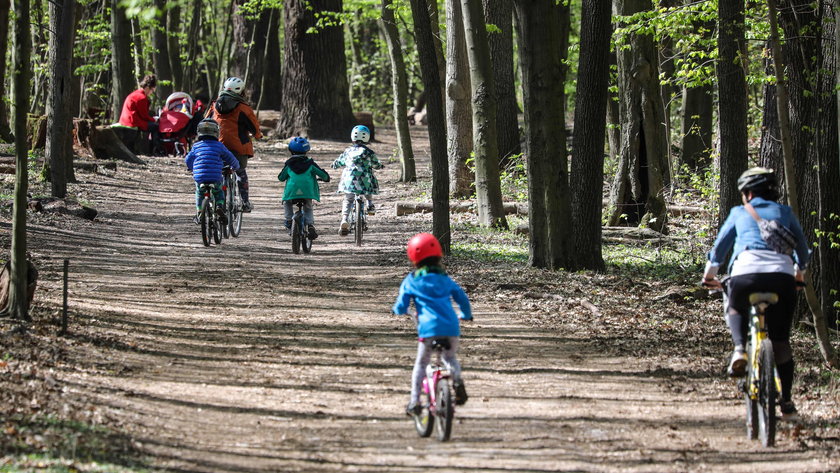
[{"x": 778, "y": 316}]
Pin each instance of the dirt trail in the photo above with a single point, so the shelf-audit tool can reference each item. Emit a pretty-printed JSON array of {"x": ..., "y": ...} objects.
[{"x": 246, "y": 357}]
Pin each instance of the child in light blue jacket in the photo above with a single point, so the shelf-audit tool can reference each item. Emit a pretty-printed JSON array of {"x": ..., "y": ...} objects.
[{"x": 432, "y": 292}]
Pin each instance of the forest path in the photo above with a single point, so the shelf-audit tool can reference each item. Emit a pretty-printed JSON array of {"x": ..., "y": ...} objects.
[{"x": 246, "y": 357}]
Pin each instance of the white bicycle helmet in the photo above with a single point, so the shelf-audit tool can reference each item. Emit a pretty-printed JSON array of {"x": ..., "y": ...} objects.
[
  {"x": 360, "y": 133},
  {"x": 234, "y": 84}
]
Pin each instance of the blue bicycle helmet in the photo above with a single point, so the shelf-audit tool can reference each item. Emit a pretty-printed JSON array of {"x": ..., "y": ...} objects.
[
  {"x": 299, "y": 144},
  {"x": 360, "y": 133}
]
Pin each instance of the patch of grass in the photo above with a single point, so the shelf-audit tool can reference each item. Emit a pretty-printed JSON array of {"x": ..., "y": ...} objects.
[
  {"x": 49, "y": 464},
  {"x": 657, "y": 262}
]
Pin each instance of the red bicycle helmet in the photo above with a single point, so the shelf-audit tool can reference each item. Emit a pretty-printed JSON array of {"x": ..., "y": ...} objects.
[{"x": 422, "y": 246}]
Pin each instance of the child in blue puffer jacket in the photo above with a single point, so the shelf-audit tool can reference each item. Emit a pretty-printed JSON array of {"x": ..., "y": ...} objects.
[
  {"x": 432, "y": 292},
  {"x": 206, "y": 160}
]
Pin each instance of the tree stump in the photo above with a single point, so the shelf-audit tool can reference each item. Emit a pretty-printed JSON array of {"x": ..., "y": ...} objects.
[
  {"x": 6, "y": 279},
  {"x": 36, "y": 131},
  {"x": 102, "y": 142}
]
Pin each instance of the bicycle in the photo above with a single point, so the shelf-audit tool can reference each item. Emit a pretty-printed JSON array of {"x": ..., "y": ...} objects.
[
  {"x": 437, "y": 401},
  {"x": 300, "y": 234},
  {"x": 210, "y": 224},
  {"x": 358, "y": 219},
  {"x": 233, "y": 203}
]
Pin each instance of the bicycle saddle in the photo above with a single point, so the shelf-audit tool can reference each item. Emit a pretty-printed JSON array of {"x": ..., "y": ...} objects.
[
  {"x": 768, "y": 297},
  {"x": 440, "y": 344}
]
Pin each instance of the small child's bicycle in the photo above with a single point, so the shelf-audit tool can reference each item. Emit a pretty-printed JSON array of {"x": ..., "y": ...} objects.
[
  {"x": 358, "y": 219},
  {"x": 300, "y": 234},
  {"x": 437, "y": 401},
  {"x": 211, "y": 226}
]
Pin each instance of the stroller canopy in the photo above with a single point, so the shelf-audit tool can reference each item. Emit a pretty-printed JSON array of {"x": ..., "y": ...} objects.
[{"x": 179, "y": 102}]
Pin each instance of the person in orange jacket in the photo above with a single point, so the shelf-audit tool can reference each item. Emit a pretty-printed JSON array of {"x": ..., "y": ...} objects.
[
  {"x": 238, "y": 123},
  {"x": 135, "y": 111}
]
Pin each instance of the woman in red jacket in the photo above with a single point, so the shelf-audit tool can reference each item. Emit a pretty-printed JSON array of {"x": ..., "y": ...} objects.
[{"x": 135, "y": 111}]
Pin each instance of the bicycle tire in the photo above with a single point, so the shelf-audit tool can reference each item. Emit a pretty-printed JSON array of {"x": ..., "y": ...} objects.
[
  {"x": 296, "y": 233},
  {"x": 444, "y": 410},
  {"x": 358, "y": 212},
  {"x": 305, "y": 242},
  {"x": 227, "y": 207},
  {"x": 750, "y": 403},
  {"x": 235, "y": 217},
  {"x": 767, "y": 394},
  {"x": 424, "y": 423},
  {"x": 217, "y": 229},
  {"x": 205, "y": 219}
]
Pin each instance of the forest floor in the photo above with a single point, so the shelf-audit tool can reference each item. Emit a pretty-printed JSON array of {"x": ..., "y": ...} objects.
[{"x": 245, "y": 357}]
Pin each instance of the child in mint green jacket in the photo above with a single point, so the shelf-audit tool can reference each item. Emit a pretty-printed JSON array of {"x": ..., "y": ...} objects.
[{"x": 302, "y": 175}]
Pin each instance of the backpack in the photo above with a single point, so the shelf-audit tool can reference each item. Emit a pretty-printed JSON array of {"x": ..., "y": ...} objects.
[{"x": 778, "y": 237}]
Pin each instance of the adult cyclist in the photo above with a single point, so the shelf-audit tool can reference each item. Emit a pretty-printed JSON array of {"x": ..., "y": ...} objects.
[{"x": 755, "y": 267}]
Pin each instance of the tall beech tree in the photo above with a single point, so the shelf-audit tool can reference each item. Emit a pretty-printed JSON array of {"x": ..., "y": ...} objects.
[
  {"x": 590, "y": 125},
  {"x": 18, "y": 307},
  {"x": 59, "y": 145},
  {"x": 500, "y": 14},
  {"x": 5, "y": 130},
  {"x": 488, "y": 187},
  {"x": 399, "y": 84},
  {"x": 549, "y": 210},
  {"x": 160, "y": 41},
  {"x": 459, "y": 131},
  {"x": 637, "y": 192},
  {"x": 316, "y": 99},
  {"x": 122, "y": 66},
  {"x": 251, "y": 33},
  {"x": 430, "y": 72},
  {"x": 732, "y": 100}
]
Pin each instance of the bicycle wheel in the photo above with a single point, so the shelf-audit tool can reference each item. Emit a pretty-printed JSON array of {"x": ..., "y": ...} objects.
[
  {"x": 359, "y": 213},
  {"x": 444, "y": 410},
  {"x": 296, "y": 233},
  {"x": 750, "y": 403},
  {"x": 767, "y": 394},
  {"x": 217, "y": 229},
  {"x": 235, "y": 214},
  {"x": 305, "y": 242},
  {"x": 425, "y": 421},
  {"x": 227, "y": 207},
  {"x": 206, "y": 221}
]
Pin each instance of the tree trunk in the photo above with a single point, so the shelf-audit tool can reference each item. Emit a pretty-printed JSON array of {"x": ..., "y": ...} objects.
[
  {"x": 613, "y": 118},
  {"x": 697, "y": 123},
  {"x": 173, "y": 25},
  {"x": 399, "y": 84},
  {"x": 637, "y": 193},
  {"x": 160, "y": 41},
  {"x": 826, "y": 150},
  {"x": 732, "y": 97},
  {"x": 121, "y": 64},
  {"x": 59, "y": 144},
  {"x": 488, "y": 187},
  {"x": 249, "y": 44},
  {"x": 22, "y": 71},
  {"x": 5, "y": 130},
  {"x": 270, "y": 90},
  {"x": 434, "y": 18},
  {"x": 500, "y": 14},
  {"x": 316, "y": 100},
  {"x": 459, "y": 132},
  {"x": 437, "y": 128},
  {"x": 542, "y": 88},
  {"x": 590, "y": 126},
  {"x": 770, "y": 152}
]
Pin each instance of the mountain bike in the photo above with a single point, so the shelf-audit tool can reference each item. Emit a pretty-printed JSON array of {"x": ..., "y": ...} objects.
[
  {"x": 437, "y": 399},
  {"x": 210, "y": 225},
  {"x": 300, "y": 234},
  {"x": 761, "y": 384},
  {"x": 233, "y": 203},
  {"x": 358, "y": 219}
]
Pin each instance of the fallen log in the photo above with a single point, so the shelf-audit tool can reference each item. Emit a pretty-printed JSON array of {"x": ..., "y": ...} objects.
[
  {"x": 407, "y": 208},
  {"x": 620, "y": 234}
]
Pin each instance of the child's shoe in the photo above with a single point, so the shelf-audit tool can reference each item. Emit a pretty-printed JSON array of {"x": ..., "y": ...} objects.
[
  {"x": 197, "y": 218},
  {"x": 413, "y": 409},
  {"x": 247, "y": 207},
  {"x": 460, "y": 393},
  {"x": 371, "y": 209},
  {"x": 312, "y": 233},
  {"x": 288, "y": 225},
  {"x": 344, "y": 230}
]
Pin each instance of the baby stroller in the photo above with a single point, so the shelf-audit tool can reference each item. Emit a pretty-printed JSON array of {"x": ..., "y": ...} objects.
[{"x": 177, "y": 129}]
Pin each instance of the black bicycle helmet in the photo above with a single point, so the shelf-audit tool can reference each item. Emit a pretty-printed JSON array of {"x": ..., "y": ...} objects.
[
  {"x": 757, "y": 178},
  {"x": 208, "y": 127}
]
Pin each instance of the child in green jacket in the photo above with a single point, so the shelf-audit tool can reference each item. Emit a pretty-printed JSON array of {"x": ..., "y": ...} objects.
[{"x": 302, "y": 175}]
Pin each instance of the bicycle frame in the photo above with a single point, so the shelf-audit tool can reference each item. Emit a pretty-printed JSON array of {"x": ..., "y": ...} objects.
[
  {"x": 758, "y": 334},
  {"x": 436, "y": 371}
]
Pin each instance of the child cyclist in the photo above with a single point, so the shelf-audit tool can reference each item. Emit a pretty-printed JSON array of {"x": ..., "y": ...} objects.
[
  {"x": 357, "y": 178},
  {"x": 238, "y": 122},
  {"x": 206, "y": 160},
  {"x": 432, "y": 292},
  {"x": 302, "y": 175}
]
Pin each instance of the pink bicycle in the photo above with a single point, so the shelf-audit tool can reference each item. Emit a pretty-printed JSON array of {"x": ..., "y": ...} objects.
[{"x": 437, "y": 400}]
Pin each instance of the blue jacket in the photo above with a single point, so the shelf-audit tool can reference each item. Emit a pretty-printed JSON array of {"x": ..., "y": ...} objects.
[
  {"x": 740, "y": 231},
  {"x": 432, "y": 291},
  {"x": 207, "y": 158}
]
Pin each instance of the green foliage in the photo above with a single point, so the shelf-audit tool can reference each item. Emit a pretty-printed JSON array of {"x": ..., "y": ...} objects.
[
  {"x": 514, "y": 178},
  {"x": 653, "y": 260}
]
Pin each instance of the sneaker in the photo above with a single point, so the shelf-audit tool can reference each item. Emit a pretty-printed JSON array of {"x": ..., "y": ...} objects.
[
  {"x": 344, "y": 230},
  {"x": 197, "y": 219},
  {"x": 460, "y": 393},
  {"x": 288, "y": 226},
  {"x": 371, "y": 209},
  {"x": 312, "y": 233},
  {"x": 247, "y": 207},
  {"x": 738, "y": 363},
  {"x": 789, "y": 412},
  {"x": 413, "y": 409}
]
